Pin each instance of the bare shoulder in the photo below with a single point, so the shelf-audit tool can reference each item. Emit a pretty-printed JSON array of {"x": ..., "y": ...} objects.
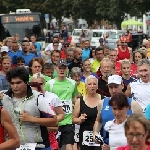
[{"x": 100, "y": 105}]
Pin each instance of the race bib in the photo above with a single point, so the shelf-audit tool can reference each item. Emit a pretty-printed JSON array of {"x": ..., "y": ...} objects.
[
  {"x": 88, "y": 139},
  {"x": 76, "y": 135},
  {"x": 67, "y": 106},
  {"x": 27, "y": 146}
]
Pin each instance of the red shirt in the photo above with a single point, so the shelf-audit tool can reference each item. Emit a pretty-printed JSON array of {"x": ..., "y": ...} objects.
[
  {"x": 63, "y": 54},
  {"x": 117, "y": 68},
  {"x": 122, "y": 55},
  {"x": 133, "y": 71}
]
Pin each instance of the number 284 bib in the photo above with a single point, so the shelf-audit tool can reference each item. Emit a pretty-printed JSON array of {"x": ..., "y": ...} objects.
[
  {"x": 88, "y": 139},
  {"x": 67, "y": 106}
]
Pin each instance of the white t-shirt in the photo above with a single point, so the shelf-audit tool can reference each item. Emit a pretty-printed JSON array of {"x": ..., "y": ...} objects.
[
  {"x": 52, "y": 99},
  {"x": 116, "y": 134},
  {"x": 141, "y": 92},
  {"x": 51, "y": 48}
]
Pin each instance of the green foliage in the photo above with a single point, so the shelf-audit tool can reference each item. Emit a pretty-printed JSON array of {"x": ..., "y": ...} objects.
[{"x": 111, "y": 10}]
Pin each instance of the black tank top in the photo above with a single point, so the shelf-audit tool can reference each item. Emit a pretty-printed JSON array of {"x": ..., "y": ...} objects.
[
  {"x": 88, "y": 124},
  {"x": 91, "y": 115}
]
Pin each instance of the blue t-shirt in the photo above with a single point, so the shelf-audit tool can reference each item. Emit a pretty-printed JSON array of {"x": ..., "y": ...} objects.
[
  {"x": 126, "y": 82},
  {"x": 27, "y": 57},
  {"x": 83, "y": 78},
  {"x": 107, "y": 115},
  {"x": 147, "y": 112},
  {"x": 4, "y": 84},
  {"x": 12, "y": 53},
  {"x": 38, "y": 46},
  {"x": 85, "y": 53}
]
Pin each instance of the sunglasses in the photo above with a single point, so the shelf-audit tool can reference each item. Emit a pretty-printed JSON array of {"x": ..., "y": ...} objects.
[{"x": 40, "y": 83}]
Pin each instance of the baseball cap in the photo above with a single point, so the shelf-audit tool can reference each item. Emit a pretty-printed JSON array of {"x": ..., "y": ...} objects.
[
  {"x": 115, "y": 79},
  {"x": 4, "y": 49},
  {"x": 61, "y": 62},
  {"x": 101, "y": 40}
]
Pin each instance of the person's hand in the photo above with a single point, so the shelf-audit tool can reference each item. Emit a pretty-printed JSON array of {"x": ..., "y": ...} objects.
[
  {"x": 83, "y": 117},
  {"x": 25, "y": 116},
  {"x": 105, "y": 147},
  {"x": 94, "y": 140}
]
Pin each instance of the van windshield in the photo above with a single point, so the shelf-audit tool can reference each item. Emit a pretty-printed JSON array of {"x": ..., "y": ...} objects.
[
  {"x": 114, "y": 35},
  {"x": 77, "y": 32},
  {"x": 97, "y": 34}
]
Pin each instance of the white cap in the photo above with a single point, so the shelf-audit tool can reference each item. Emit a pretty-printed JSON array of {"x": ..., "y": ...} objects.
[
  {"x": 4, "y": 49},
  {"x": 115, "y": 79}
]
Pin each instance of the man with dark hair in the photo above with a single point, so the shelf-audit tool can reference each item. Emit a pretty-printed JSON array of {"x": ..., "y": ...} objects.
[
  {"x": 24, "y": 54},
  {"x": 31, "y": 115},
  {"x": 14, "y": 50},
  {"x": 67, "y": 94},
  {"x": 20, "y": 62},
  {"x": 99, "y": 54},
  {"x": 50, "y": 47},
  {"x": 76, "y": 62}
]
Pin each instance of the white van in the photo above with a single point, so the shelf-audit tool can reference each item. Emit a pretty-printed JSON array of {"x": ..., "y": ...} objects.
[
  {"x": 97, "y": 34},
  {"x": 76, "y": 35}
]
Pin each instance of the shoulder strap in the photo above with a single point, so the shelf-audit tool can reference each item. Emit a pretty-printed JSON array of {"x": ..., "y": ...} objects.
[
  {"x": 51, "y": 82},
  {"x": 37, "y": 102}
]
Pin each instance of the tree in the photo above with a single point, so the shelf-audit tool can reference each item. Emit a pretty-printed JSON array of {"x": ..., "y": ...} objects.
[{"x": 112, "y": 10}]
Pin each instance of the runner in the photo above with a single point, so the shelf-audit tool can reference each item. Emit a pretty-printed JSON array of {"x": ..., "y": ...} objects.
[
  {"x": 23, "y": 105},
  {"x": 105, "y": 111},
  {"x": 136, "y": 126},
  {"x": 7, "y": 125},
  {"x": 85, "y": 112},
  {"x": 52, "y": 100},
  {"x": 124, "y": 51},
  {"x": 115, "y": 127},
  {"x": 66, "y": 90},
  {"x": 140, "y": 88}
]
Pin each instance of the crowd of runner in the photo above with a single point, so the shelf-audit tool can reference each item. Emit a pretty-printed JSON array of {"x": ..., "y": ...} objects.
[{"x": 83, "y": 98}]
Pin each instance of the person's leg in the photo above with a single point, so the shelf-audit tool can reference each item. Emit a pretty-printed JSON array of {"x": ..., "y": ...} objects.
[
  {"x": 67, "y": 135},
  {"x": 75, "y": 146}
]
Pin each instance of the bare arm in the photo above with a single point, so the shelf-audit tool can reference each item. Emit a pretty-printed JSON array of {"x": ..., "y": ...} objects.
[
  {"x": 136, "y": 108},
  {"x": 97, "y": 125},
  {"x": 128, "y": 91},
  {"x": 74, "y": 99},
  {"x": 13, "y": 141},
  {"x": 48, "y": 122},
  {"x": 60, "y": 113},
  {"x": 52, "y": 129},
  {"x": 76, "y": 112}
]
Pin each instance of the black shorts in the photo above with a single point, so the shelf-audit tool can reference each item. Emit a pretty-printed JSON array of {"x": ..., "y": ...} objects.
[{"x": 67, "y": 135}]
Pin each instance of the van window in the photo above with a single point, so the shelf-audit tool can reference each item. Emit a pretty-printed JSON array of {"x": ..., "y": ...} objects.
[
  {"x": 97, "y": 34},
  {"x": 76, "y": 32}
]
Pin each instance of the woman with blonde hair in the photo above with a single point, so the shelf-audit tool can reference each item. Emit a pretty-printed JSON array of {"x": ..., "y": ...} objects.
[{"x": 85, "y": 113}]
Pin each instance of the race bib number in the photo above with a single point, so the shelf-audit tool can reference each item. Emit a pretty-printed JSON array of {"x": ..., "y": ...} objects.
[
  {"x": 67, "y": 106},
  {"x": 76, "y": 135},
  {"x": 88, "y": 139},
  {"x": 27, "y": 146}
]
